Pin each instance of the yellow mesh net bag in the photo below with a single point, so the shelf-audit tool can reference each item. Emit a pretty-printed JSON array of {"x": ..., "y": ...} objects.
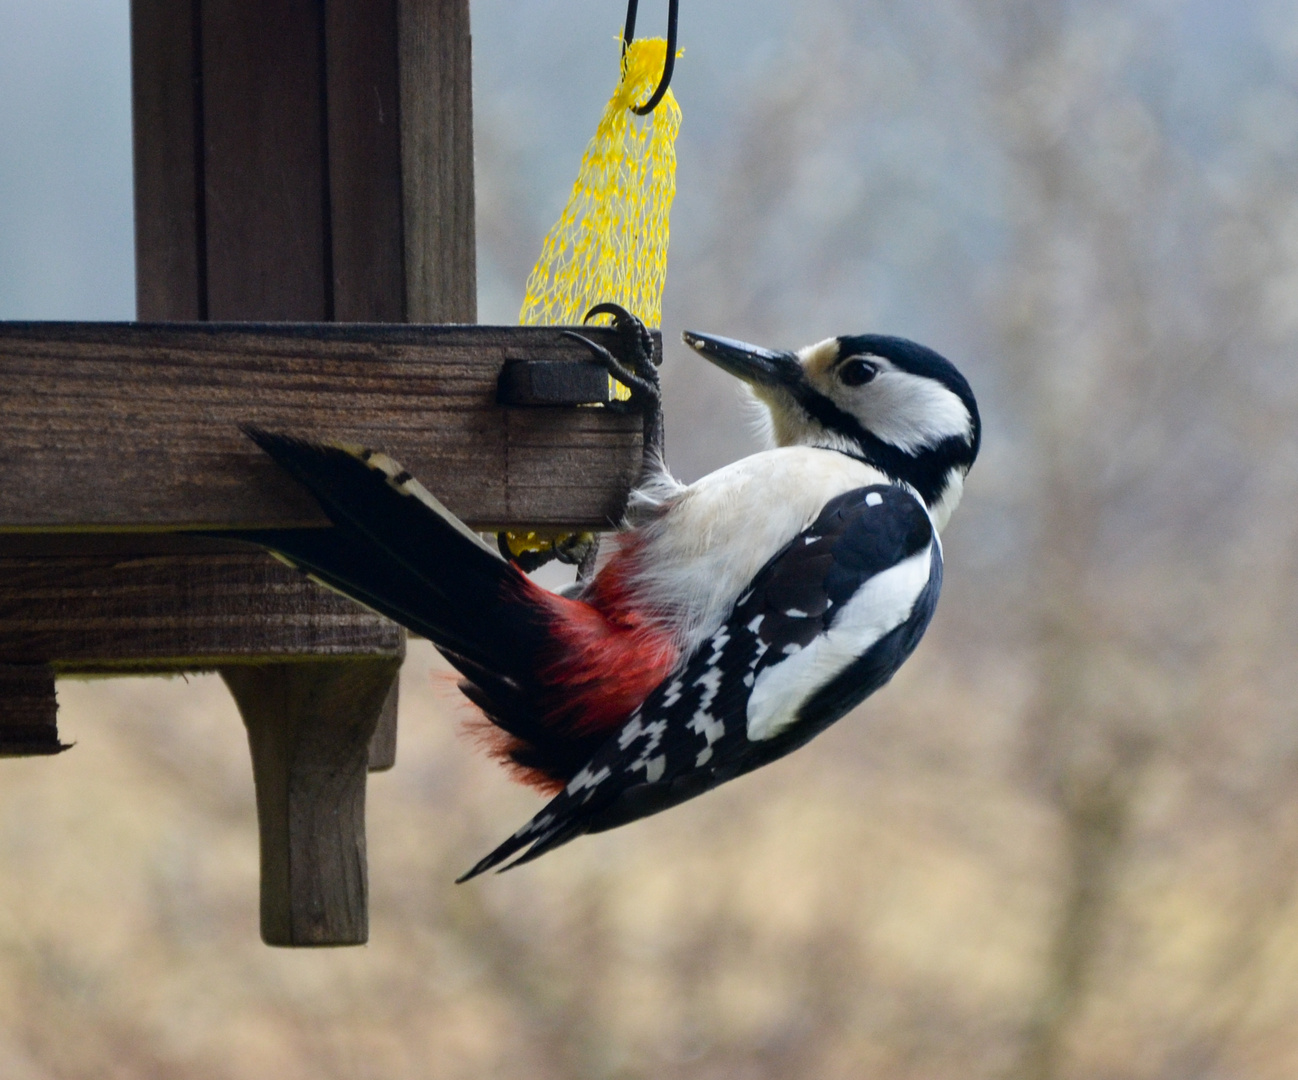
[{"x": 610, "y": 242}]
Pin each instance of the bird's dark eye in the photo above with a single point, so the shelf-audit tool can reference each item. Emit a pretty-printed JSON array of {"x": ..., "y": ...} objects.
[{"x": 856, "y": 372}]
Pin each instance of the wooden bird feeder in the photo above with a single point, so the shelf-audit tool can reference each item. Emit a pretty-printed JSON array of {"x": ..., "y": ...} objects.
[{"x": 304, "y": 223}]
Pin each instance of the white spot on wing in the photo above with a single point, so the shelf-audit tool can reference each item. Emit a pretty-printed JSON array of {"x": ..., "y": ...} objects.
[
  {"x": 630, "y": 733},
  {"x": 707, "y": 725},
  {"x": 703, "y": 722},
  {"x": 653, "y": 736},
  {"x": 587, "y": 779},
  {"x": 873, "y": 499}
]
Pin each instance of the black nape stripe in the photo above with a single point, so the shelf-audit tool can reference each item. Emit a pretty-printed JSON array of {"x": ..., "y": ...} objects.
[{"x": 927, "y": 472}]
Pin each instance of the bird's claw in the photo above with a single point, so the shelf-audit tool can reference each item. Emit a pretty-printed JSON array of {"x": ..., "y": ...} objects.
[
  {"x": 635, "y": 336},
  {"x": 641, "y": 377},
  {"x": 575, "y": 549},
  {"x": 623, "y": 374},
  {"x": 640, "y": 373}
]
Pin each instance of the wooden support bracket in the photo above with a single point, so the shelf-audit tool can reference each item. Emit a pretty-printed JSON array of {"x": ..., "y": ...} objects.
[{"x": 309, "y": 728}]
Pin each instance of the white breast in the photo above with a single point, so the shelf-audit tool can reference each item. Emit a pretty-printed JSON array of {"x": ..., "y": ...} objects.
[{"x": 704, "y": 550}]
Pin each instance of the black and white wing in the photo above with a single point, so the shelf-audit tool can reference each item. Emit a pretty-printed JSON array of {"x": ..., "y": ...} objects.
[{"x": 826, "y": 623}]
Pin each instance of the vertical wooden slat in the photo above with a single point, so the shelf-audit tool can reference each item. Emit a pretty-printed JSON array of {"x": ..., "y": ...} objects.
[
  {"x": 435, "y": 58},
  {"x": 167, "y": 143},
  {"x": 364, "y": 160},
  {"x": 265, "y": 177}
]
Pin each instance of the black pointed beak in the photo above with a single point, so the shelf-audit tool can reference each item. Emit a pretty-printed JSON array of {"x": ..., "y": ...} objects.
[{"x": 761, "y": 367}]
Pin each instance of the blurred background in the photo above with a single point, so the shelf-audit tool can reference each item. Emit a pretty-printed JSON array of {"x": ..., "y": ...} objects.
[{"x": 1063, "y": 843}]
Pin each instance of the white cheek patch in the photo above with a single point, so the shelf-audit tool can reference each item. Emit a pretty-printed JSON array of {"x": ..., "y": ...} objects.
[
  {"x": 879, "y": 606},
  {"x": 908, "y": 411}
]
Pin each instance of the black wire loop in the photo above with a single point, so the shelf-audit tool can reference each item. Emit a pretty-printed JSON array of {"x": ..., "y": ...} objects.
[{"x": 628, "y": 35}]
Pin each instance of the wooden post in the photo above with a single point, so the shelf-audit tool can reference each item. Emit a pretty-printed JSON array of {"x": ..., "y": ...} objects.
[
  {"x": 297, "y": 160},
  {"x": 309, "y": 726}
]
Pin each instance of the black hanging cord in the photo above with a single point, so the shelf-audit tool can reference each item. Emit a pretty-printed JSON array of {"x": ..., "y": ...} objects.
[{"x": 628, "y": 35}]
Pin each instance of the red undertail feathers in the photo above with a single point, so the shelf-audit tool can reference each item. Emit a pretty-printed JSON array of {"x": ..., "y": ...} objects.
[{"x": 602, "y": 659}]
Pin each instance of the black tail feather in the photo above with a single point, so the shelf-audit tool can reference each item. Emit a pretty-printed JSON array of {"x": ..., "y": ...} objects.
[
  {"x": 336, "y": 560},
  {"x": 540, "y": 842},
  {"x": 398, "y": 550}
]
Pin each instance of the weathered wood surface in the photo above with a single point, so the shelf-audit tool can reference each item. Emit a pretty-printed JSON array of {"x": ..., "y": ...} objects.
[
  {"x": 264, "y": 172},
  {"x": 362, "y": 89},
  {"x": 435, "y": 65},
  {"x": 383, "y": 743},
  {"x": 309, "y": 727},
  {"x": 303, "y": 161},
  {"x": 102, "y": 615},
  {"x": 136, "y": 427}
]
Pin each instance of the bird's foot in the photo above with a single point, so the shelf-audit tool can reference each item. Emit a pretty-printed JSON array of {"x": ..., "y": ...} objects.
[
  {"x": 529, "y": 552},
  {"x": 640, "y": 375}
]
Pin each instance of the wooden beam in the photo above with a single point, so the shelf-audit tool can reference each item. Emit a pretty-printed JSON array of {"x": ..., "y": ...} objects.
[
  {"x": 113, "y": 427},
  {"x": 113, "y": 615},
  {"x": 382, "y": 752}
]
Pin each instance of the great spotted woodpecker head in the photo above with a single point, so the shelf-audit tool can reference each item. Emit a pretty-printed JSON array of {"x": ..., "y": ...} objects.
[{"x": 893, "y": 403}]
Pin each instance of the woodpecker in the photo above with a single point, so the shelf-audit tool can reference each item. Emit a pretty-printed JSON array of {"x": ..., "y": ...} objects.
[{"x": 735, "y": 618}]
